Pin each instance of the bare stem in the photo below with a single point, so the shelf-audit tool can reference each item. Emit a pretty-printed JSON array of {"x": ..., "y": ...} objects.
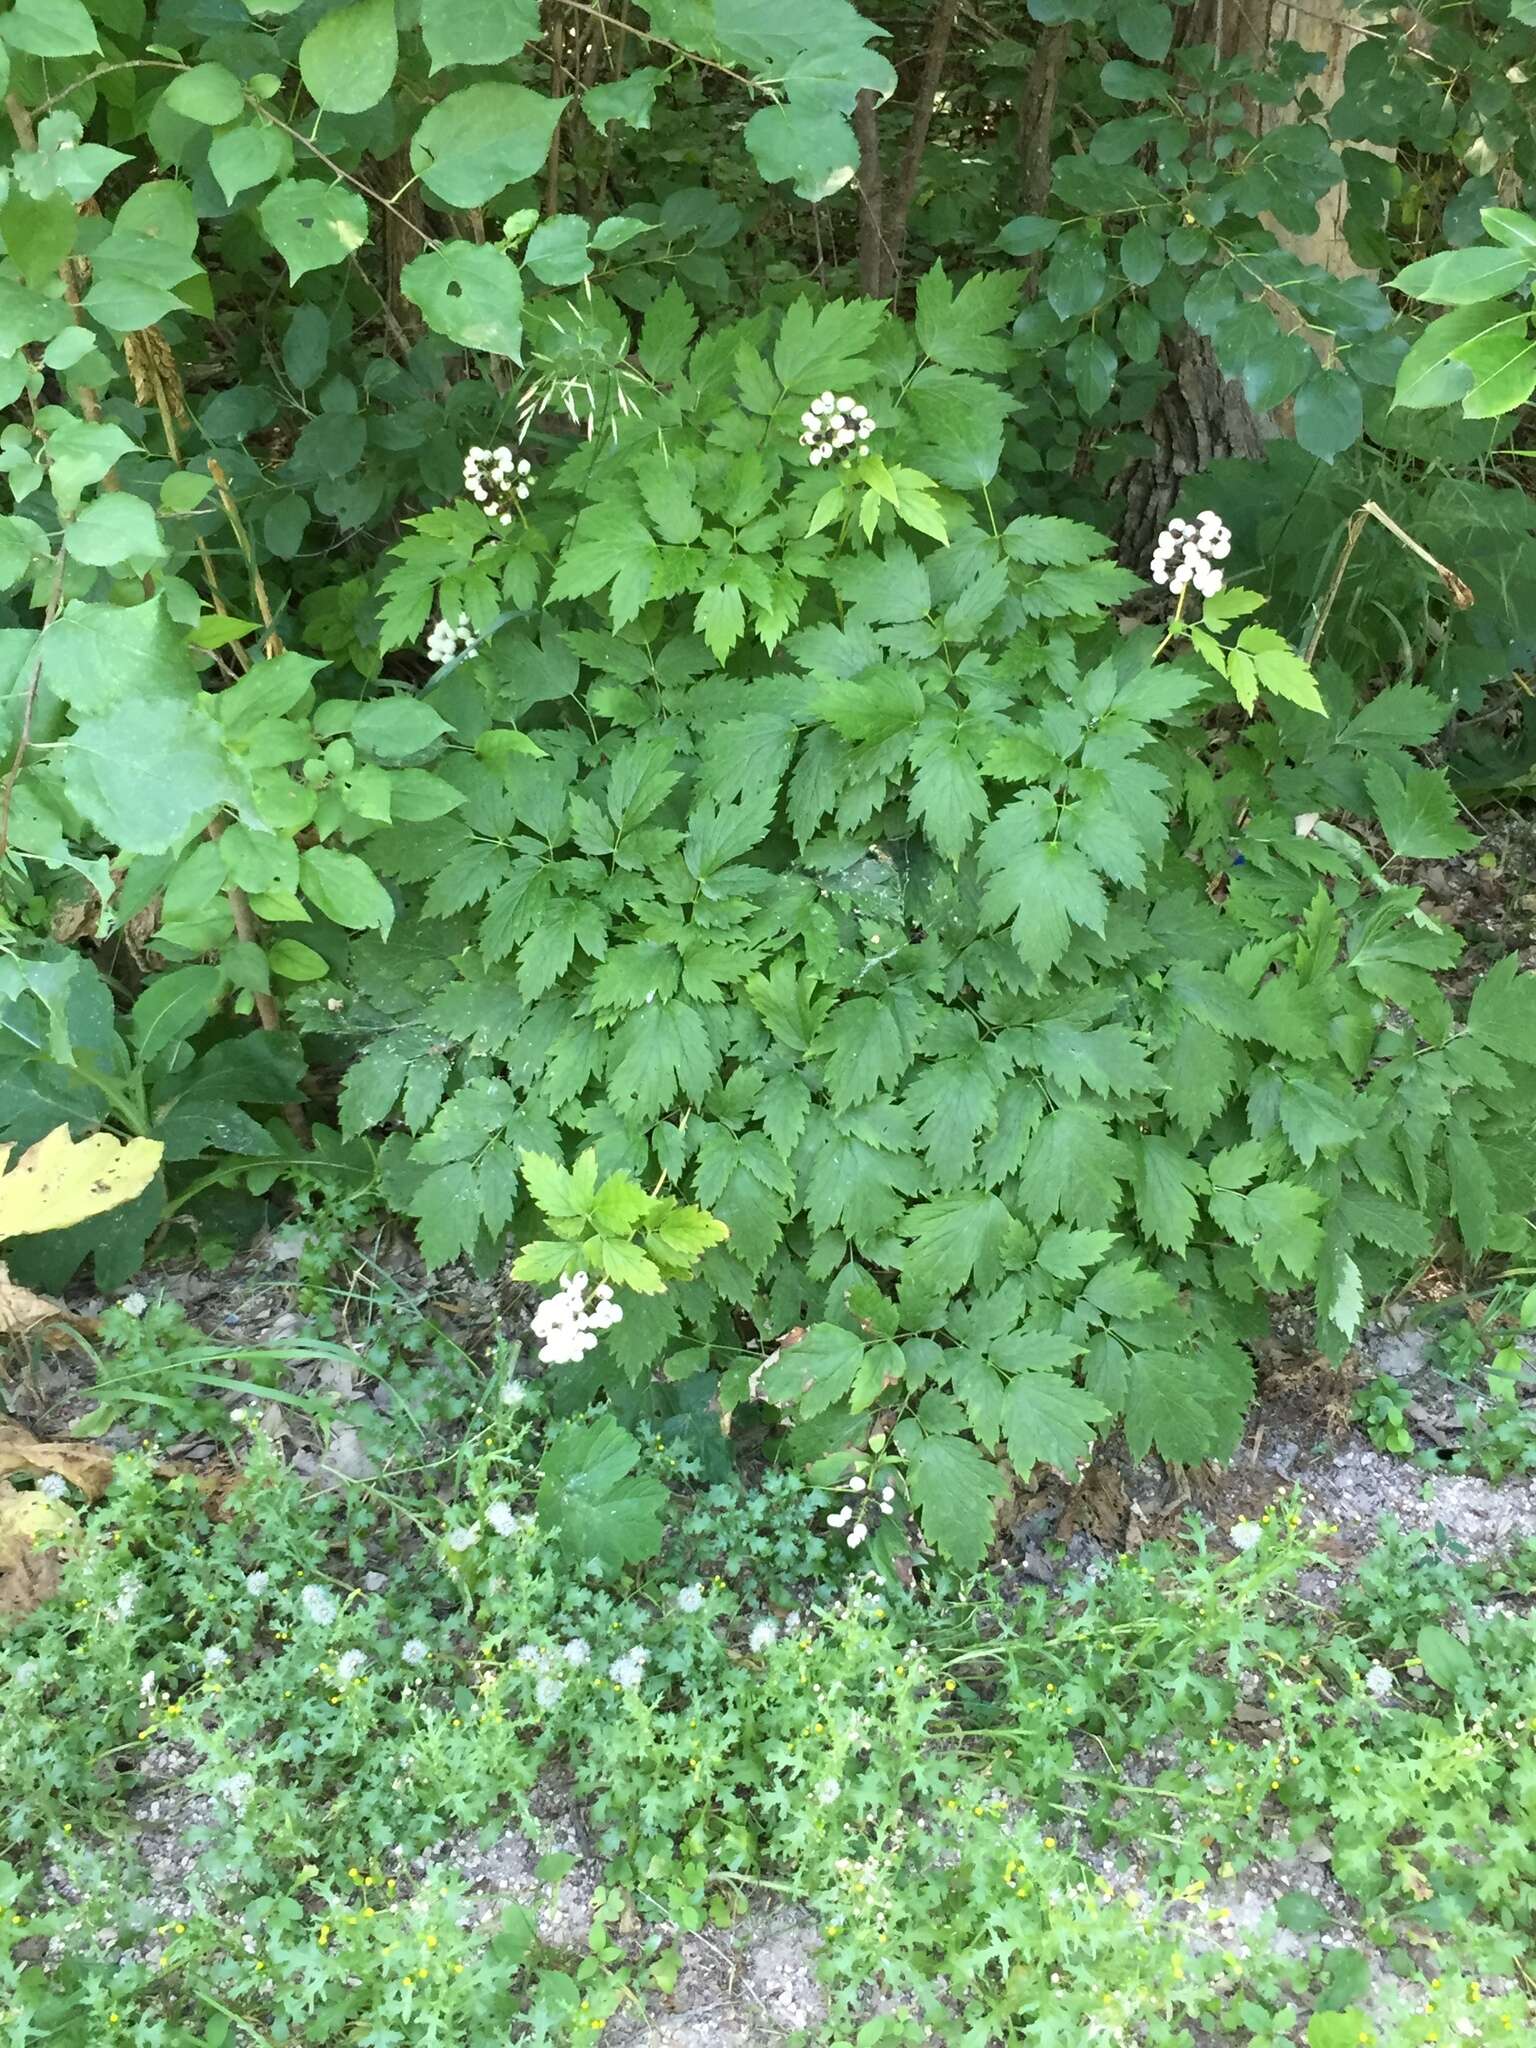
[{"x": 29, "y": 703}]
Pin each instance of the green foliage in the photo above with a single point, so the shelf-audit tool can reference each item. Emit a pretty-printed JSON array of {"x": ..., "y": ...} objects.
[
  {"x": 823, "y": 847},
  {"x": 1482, "y": 354}
]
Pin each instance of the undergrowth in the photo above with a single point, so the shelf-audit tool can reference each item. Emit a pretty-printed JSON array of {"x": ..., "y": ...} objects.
[{"x": 1004, "y": 1812}]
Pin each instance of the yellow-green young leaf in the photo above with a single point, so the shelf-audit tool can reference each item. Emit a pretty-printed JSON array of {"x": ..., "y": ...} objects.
[
  {"x": 217, "y": 629},
  {"x": 916, "y": 504},
  {"x": 545, "y": 1260},
  {"x": 620, "y": 1204},
  {"x": 689, "y": 1233},
  {"x": 1245, "y": 683},
  {"x": 1232, "y": 603},
  {"x": 553, "y": 1190},
  {"x": 348, "y": 59},
  {"x": 625, "y": 1265},
  {"x": 60, "y": 1181},
  {"x": 1279, "y": 668},
  {"x": 294, "y": 961},
  {"x": 1210, "y": 651}
]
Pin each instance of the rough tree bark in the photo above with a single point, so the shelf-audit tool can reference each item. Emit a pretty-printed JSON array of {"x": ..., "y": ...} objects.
[{"x": 1199, "y": 417}]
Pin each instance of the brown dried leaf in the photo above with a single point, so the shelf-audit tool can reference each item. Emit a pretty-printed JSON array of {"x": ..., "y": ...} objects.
[
  {"x": 85, "y": 1466},
  {"x": 21, "y": 1310},
  {"x": 28, "y": 1575}
]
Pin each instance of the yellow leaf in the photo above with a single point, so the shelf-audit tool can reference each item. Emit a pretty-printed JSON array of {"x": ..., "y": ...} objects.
[{"x": 57, "y": 1182}]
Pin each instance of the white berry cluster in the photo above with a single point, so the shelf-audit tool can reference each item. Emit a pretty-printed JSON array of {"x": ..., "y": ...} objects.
[
  {"x": 1188, "y": 553},
  {"x": 867, "y": 1510},
  {"x": 445, "y": 641},
  {"x": 566, "y": 1328},
  {"x": 835, "y": 428},
  {"x": 495, "y": 478}
]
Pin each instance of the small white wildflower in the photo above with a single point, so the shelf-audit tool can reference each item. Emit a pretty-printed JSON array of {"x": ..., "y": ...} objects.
[
  {"x": 1379, "y": 1681},
  {"x": 147, "y": 1689},
  {"x": 134, "y": 1304},
  {"x": 856, "y": 1484},
  {"x": 464, "y": 1539},
  {"x": 828, "y": 1790},
  {"x": 856, "y": 1535},
  {"x": 319, "y": 1606},
  {"x": 547, "y": 1693},
  {"x": 53, "y": 1486},
  {"x": 1245, "y": 1535},
  {"x": 349, "y": 1664},
  {"x": 533, "y": 1656},
  {"x": 413, "y": 1651},
  {"x": 215, "y": 1658},
  {"x": 577, "y": 1651},
  {"x": 445, "y": 642},
  {"x": 1187, "y": 555},
  {"x": 257, "y": 1582},
  {"x": 629, "y": 1669},
  {"x": 566, "y": 1327},
  {"x": 127, "y": 1599},
  {"x": 835, "y": 428},
  {"x": 25, "y": 1673},
  {"x": 501, "y": 1518},
  {"x": 839, "y": 1517},
  {"x": 690, "y": 1599},
  {"x": 496, "y": 480},
  {"x": 513, "y": 1393},
  {"x": 764, "y": 1635},
  {"x": 236, "y": 1789}
]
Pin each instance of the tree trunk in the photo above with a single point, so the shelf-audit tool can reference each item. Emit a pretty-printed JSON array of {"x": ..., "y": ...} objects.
[{"x": 1199, "y": 418}]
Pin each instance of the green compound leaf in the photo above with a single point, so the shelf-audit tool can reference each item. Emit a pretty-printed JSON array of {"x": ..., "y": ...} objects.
[
  {"x": 811, "y": 1375},
  {"x": 471, "y": 294},
  {"x": 312, "y": 224},
  {"x": 593, "y": 1504},
  {"x": 1418, "y": 811},
  {"x": 954, "y": 1488},
  {"x": 1048, "y": 1421}
]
